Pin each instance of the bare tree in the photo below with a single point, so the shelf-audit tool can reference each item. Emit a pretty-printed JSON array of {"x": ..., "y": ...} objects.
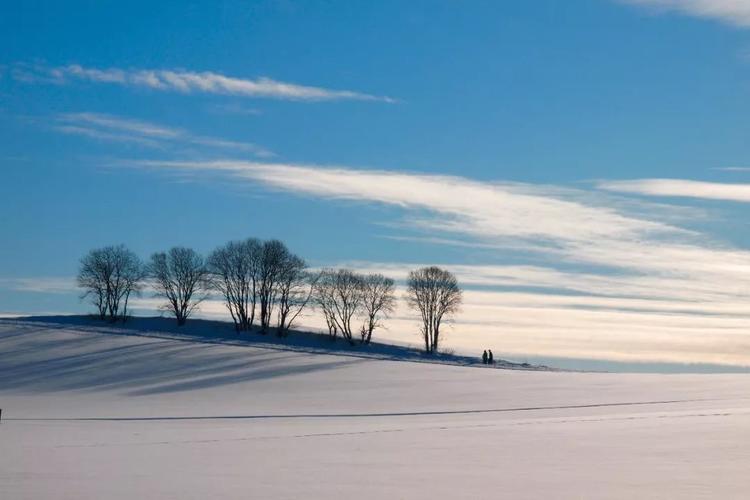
[
  {"x": 127, "y": 279},
  {"x": 94, "y": 277},
  {"x": 181, "y": 277},
  {"x": 234, "y": 273},
  {"x": 346, "y": 299},
  {"x": 378, "y": 300},
  {"x": 272, "y": 257},
  {"x": 109, "y": 276},
  {"x": 323, "y": 295},
  {"x": 435, "y": 293},
  {"x": 295, "y": 288}
]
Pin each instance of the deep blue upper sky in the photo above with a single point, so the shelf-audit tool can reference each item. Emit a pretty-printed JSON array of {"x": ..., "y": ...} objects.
[{"x": 551, "y": 99}]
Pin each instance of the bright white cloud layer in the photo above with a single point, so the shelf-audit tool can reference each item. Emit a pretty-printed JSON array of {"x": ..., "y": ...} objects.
[
  {"x": 188, "y": 82},
  {"x": 681, "y": 188},
  {"x": 487, "y": 211},
  {"x": 734, "y": 12}
]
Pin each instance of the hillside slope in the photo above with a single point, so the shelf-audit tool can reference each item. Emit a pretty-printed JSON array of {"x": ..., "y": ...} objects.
[{"x": 95, "y": 415}]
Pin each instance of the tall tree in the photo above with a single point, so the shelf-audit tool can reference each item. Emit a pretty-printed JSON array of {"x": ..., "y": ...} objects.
[
  {"x": 234, "y": 273},
  {"x": 272, "y": 257},
  {"x": 109, "y": 276},
  {"x": 435, "y": 294},
  {"x": 295, "y": 288},
  {"x": 378, "y": 301},
  {"x": 94, "y": 278},
  {"x": 346, "y": 299},
  {"x": 324, "y": 299},
  {"x": 181, "y": 277}
]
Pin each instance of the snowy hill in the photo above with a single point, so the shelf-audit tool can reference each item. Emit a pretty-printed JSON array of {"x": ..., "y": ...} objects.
[
  {"x": 222, "y": 332},
  {"x": 103, "y": 412}
]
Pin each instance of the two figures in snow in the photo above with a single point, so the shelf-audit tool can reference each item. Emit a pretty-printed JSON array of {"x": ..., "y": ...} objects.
[{"x": 487, "y": 358}]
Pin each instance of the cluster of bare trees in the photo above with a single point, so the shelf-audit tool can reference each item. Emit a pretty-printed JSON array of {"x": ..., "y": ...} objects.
[
  {"x": 265, "y": 277},
  {"x": 109, "y": 276},
  {"x": 250, "y": 276},
  {"x": 343, "y": 295}
]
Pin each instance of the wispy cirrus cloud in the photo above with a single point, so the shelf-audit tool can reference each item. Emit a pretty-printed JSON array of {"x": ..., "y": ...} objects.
[
  {"x": 118, "y": 129},
  {"x": 545, "y": 214},
  {"x": 624, "y": 323},
  {"x": 733, "y": 169},
  {"x": 518, "y": 324},
  {"x": 188, "y": 82},
  {"x": 105, "y": 135},
  {"x": 234, "y": 108},
  {"x": 40, "y": 284},
  {"x": 733, "y": 12},
  {"x": 681, "y": 188},
  {"x": 141, "y": 128},
  {"x": 564, "y": 225}
]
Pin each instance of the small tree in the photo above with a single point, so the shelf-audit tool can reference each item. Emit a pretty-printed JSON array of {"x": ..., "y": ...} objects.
[
  {"x": 378, "y": 301},
  {"x": 346, "y": 297},
  {"x": 234, "y": 273},
  {"x": 93, "y": 277},
  {"x": 109, "y": 276},
  {"x": 324, "y": 299},
  {"x": 435, "y": 293},
  {"x": 181, "y": 277},
  {"x": 295, "y": 288}
]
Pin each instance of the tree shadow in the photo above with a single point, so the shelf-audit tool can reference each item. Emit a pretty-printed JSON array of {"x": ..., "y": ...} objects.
[
  {"x": 35, "y": 358},
  {"x": 221, "y": 332}
]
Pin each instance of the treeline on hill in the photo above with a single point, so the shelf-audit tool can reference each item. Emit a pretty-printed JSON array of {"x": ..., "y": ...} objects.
[{"x": 263, "y": 283}]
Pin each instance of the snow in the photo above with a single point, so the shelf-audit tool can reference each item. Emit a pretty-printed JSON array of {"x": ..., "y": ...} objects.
[{"x": 89, "y": 414}]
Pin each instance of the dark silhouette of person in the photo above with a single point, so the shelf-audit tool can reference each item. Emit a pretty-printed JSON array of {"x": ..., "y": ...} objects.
[
  {"x": 484, "y": 357},
  {"x": 490, "y": 358}
]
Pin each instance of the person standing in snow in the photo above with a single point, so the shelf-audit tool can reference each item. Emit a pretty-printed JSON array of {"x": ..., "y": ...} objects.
[
  {"x": 484, "y": 357},
  {"x": 490, "y": 358}
]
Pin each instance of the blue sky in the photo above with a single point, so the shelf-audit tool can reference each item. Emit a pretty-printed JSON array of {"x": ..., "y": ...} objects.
[{"x": 581, "y": 165}]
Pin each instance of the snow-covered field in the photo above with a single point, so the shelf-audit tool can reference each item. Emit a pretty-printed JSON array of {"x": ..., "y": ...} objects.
[{"x": 89, "y": 415}]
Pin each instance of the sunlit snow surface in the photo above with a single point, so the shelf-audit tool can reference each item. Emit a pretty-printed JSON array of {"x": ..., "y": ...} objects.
[{"x": 88, "y": 415}]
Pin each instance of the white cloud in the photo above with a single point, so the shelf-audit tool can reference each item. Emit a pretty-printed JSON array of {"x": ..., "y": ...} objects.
[
  {"x": 700, "y": 292},
  {"x": 583, "y": 326},
  {"x": 113, "y": 128},
  {"x": 123, "y": 124},
  {"x": 234, "y": 108},
  {"x": 104, "y": 135},
  {"x": 734, "y": 169},
  {"x": 189, "y": 82},
  {"x": 486, "y": 211},
  {"x": 733, "y": 12},
  {"x": 681, "y": 188},
  {"x": 560, "y": 224},
  {"x": 40, "y": 284},
  {"x": 526, "y": 322}
]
